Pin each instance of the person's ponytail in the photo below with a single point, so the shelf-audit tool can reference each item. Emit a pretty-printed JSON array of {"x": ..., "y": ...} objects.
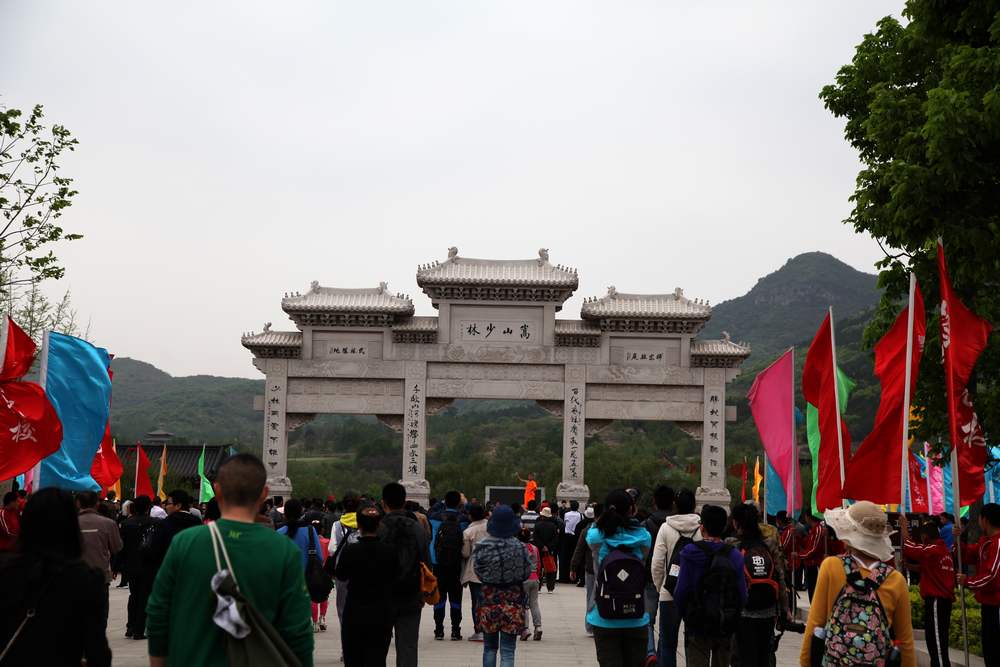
[{"x": 617, "y": 510}]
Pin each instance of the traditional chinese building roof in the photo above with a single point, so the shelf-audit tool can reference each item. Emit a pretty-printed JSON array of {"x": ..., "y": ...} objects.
[
  {"x": 718, "y": 353},
  {"x": 467, "y": 278},
  {"x": 647, "y": 313},
  {"x": 415, "y": 330},
  {"x": 274, "y": 344},
  {"x": 577, "y": 333},
  {"x": 182, "y": 460},
  {"x": 366, "y": 307}
]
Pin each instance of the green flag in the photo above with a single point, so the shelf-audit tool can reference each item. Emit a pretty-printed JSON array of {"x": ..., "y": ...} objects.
[
  {"x": 845, "y": 386},
  {"x": 206, "y": 493}
]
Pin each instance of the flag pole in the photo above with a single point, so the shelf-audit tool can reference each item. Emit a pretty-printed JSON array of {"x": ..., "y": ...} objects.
[
  {"x": 905, "y": 446},
  {"x": 836, "y": 399},
  {"x": 763, "y": 483},
  {"x": 956, "y": 503},
  {"x": 43, "y": 374},
  {"x": 927, "y": 469},
  {"x": 790, "y": 504}
]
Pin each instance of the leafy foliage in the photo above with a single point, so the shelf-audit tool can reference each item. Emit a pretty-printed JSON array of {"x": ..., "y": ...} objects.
[
  {"x": 32, "y": 196},
  {"x": 922, "y": 108}
]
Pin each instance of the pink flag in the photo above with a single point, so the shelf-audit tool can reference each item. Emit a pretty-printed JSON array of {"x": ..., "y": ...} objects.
[
  {"x": 772, "y": 404},
  {"x": 936, "y": 475}
]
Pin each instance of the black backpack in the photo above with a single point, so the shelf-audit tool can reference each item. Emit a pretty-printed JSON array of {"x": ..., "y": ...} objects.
[
  {"x": 318, "y": 581},
  {"x": 620, "y": 586},
  {"x": 399, "y": 534},
  {"x": 674, "y": 566},
  {"x": 758, "y": 567},
  {"x": 713, "y": 609},
  {"x": 448, "y": 541}
]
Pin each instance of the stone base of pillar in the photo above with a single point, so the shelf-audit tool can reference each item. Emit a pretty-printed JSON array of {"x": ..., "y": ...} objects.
[
  {"x": 417, "y": 490},
  {"x": 573, "y": 491},
  {"x": 279, "y": 486},
  {"x": 705, "y": 495}
]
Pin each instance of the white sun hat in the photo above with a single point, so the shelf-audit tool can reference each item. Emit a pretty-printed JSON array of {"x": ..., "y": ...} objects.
[{"x": 863, "y": 526}]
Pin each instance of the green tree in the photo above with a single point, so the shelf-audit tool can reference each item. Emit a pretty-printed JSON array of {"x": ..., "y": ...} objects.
[
  {"x": 32, "y": 196},
  {"x": 922, "y": 107}
]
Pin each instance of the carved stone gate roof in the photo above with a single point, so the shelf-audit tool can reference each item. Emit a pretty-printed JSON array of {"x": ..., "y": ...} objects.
[
  {"x": 619, "y": 305},
  {"x": 368, "y": 306}
]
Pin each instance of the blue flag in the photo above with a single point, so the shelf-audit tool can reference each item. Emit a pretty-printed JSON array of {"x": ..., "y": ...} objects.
[
  {"x": 992, "y": 473},
  {"x": 777, "y": 499},
  {"x": 75, "y": 376}
]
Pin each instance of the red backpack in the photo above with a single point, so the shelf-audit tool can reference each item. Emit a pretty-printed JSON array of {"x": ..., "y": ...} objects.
[{"x": 758, "y": 567}]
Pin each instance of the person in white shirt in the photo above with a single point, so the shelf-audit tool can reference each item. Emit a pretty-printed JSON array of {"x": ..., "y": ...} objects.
[{"x": 567, "y": 542}]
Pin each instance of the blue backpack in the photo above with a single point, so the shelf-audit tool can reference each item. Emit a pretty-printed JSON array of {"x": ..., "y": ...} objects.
[{"x": 621, "y": 586}]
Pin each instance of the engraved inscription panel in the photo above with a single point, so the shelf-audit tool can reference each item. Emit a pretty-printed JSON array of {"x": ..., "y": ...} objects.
[
  {"x": 538, "y": 372},
  {"x": 652, "y": 410},
  {"x": 624, "y": 392},
  {"x": 514, "y": 389},
  {"x": 340, "y": 387}
]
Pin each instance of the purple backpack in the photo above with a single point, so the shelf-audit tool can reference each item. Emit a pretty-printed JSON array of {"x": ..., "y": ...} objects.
[{"x": 621, "y": 584}]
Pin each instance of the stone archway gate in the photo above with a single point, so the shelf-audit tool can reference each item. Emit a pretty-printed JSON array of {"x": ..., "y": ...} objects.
[{"x": 496, "y": 336}]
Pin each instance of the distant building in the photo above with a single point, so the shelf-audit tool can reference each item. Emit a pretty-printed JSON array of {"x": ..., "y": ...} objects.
[{"x": 182, "y": 459}]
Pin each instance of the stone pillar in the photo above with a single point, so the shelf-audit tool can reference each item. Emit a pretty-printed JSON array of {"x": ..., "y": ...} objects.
[
  {"x": 275, "y": 446},
  {"x": 415, "y": 433},
  {"x": 713, "y": 489},
  {"x": 572, "y": 486}
]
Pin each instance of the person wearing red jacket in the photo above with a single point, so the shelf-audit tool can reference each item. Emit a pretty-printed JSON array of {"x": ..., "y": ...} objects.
[
  {"x": 985, "y": 585},
  {"x": 10, "y": 522},
  {"x": 937, "y": 586},
  {"x": 813, "y": 551}
]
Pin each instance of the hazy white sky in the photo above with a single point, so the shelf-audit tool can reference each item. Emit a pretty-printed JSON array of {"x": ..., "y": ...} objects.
[{"x": 232, "y": 151}]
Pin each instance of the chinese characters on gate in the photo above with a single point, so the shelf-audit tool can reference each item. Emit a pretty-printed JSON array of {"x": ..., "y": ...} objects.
[
  {"x": 490, "y": 330},
  {"x": 643, "y": 355},
  {"x": 575, "y": 421},
  {"x": 275, "y": 393},
  {"x": 412, "y": 430},
  {"x": 349, "y": 350},
  {"x": 712, "y": 435}
]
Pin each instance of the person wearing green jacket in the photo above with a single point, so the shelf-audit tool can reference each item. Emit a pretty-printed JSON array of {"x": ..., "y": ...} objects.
[{"x": 267, "y": 566}]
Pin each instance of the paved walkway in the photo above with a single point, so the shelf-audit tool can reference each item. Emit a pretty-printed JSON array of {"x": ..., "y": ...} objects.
[{"x": 564, "y": 643}]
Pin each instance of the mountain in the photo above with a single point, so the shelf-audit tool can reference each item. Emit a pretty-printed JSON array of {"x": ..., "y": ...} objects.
[
  {"x": 196, "y": 408},
  {"x": 786, "y": 307}
]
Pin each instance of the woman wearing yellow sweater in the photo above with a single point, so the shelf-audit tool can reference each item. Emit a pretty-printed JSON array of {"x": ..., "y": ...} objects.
[{"x": 863, "y": 527}]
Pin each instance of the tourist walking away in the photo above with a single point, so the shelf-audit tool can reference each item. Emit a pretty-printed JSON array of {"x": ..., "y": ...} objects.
[
  {"x": 52, "y": 600},
  {"x": 264, "y": 567},
  {"x": 501, "y": 562},
  {"x": 986, "y": 584},
  {"x": 306, "y": 538},
  {"x": 582, "y": 566},
  {"x": 767, "y": 597},
  {"x": 471, "y": 536},
  {"x": 179, "y": 518},
  {"x": 663, "y": 501},
  {"x": 447, "y": 544},
  {"x": 813, "y": 551},
  {"x": 545, "y": 536},
  {"x": 710, "y": 593},
  {"x": 677, "y": 532},
  {"x": 530, "y": 489},
  {"x": 345, "y": 531},
  {"x": 531, "y": 587},
  {"x": 571, "y": 518},
  {"x": 370, "y": 567},
  {"x": 937, "y": 586},
  {"x": 101, "y": 540},
  {"x": 529, "y": 516},
  {"x": 861, "y": 606},
  {"x": 136, "y": 533},
  {"x": 401, "y": 530},
  {"x": 619, "y": 544},
  {"x": 10, "y": 522}
]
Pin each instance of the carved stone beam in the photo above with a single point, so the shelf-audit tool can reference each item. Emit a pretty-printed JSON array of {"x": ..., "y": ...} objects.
[
  {"x": 693, "y": 429},
  {"x": 592, "y": 426},
  {"x": 552, "y": 407},
  {"x": 297, "y": 419},
  {"x": 395, "y": 422},
  {"x": 436, "y": 405}
]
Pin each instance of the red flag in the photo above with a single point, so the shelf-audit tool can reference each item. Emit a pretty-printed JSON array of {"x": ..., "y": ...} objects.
[
  {"x": 107, "y": 467},
  {"x": 963, "y": 338},
  {"x": 143, "y": 487},
  {"x": 918, "y": 486},
  {"x": 819, "y": 386},
  {"x": 19, "y": 353},
  {"x": 874, "y": 470},
  {"x": 30, "y": 429}
]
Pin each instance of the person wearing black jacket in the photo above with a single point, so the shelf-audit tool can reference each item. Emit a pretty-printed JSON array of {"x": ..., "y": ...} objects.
[
  {"x": 546, "y": 538},
  {"x": 179, "y": 517},
  {"x": 135, "y": 530},
  {"x": 46, "y": 576}
]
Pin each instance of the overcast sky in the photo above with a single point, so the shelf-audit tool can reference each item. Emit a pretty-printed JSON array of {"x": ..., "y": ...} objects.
[{"x": 233, "y": 151}]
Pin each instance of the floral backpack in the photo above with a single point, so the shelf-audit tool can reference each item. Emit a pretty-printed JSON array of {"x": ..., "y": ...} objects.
[{"x": 857, "y": 632}]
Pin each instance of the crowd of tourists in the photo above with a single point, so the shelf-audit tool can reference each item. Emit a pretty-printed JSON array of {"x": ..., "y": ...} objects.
[{"x": 245, "y": 579}]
